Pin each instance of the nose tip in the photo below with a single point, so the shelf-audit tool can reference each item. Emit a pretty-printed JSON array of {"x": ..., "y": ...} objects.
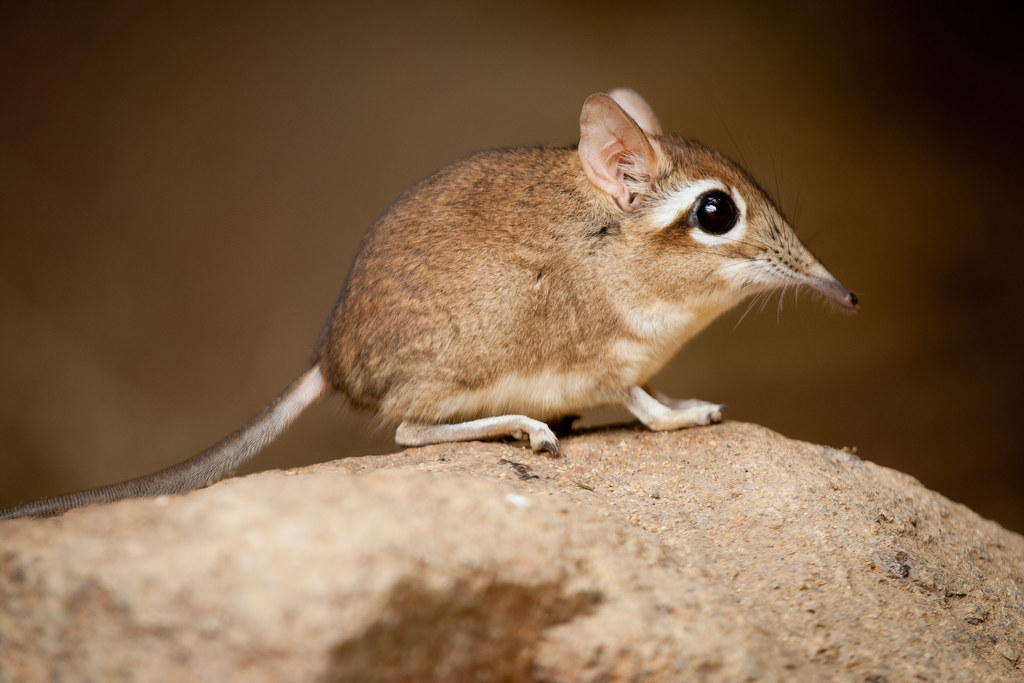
[{"x": 835, "y": 291}]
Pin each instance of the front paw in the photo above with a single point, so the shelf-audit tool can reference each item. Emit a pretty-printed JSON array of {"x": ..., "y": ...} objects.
[
  {"x": 714, "y": 413},
  {"x": 663, "y": 414},
  {"x": 694, "y": 416}
]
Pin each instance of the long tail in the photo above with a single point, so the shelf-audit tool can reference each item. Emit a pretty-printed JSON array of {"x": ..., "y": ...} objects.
[{"x": 200, "y": 470}]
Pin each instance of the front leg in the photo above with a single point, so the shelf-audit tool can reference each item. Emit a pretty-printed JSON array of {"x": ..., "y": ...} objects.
[
  {"x": 664, "y": 414},
  {"x": 679, "y": 403},
  {"x": 517, "y": 426}
]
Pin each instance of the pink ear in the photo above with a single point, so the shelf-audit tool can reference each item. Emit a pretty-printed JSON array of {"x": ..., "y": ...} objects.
[
  {"x": 616, "y": 154},
  {"x": 637, "y": 107}
]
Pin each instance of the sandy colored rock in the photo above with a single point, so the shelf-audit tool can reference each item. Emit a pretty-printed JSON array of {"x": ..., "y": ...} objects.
[{"x": 721, "y": 554}]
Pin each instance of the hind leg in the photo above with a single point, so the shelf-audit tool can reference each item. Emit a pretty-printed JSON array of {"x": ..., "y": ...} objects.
[{"x": 517, "y": 426}]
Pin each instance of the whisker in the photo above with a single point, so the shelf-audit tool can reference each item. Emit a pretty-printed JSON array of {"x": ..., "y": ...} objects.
[
  {"x": 778, "y": 171},
  {"x": 796, "y": 201},
  {"x": 746, "y": 311},
  {"x": 740, "y": 149},
  {"x": 778, "y": 306}
]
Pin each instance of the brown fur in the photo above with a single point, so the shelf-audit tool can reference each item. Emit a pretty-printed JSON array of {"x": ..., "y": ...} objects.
[
  {"x": 513, "y": 262},
  {"x": 479, "y": 270}
]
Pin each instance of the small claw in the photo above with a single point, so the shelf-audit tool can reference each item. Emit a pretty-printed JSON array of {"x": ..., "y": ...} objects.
[
  {"x": 544, "y": 440},
  {"x": 549, "y": 446}
]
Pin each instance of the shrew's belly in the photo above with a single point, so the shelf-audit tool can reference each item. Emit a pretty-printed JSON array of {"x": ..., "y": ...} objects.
[{"x": 542, "y": 394}]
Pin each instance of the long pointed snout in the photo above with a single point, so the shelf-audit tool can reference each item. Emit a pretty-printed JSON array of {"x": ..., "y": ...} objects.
[
  {"x": 835, "y": 291},
  {"x": 788, "y": 260},
  {"x": 825, "y": 283}
]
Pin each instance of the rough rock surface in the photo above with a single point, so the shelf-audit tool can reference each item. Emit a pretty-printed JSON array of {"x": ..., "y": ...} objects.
[{"x": 724, "y": 553}]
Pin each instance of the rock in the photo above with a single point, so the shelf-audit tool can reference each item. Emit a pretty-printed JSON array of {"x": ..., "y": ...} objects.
[{"x": 723, "y": 553}]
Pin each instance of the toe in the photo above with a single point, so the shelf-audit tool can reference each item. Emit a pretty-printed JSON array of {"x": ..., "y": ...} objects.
[{"x": 551, "y": 446}]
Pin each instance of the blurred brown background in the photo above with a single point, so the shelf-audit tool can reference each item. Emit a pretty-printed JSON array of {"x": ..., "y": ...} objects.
[{"x": 183, "y": 187}]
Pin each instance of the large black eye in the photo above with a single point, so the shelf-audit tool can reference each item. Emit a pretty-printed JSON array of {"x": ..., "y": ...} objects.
[{"x": 715, "y": 213}]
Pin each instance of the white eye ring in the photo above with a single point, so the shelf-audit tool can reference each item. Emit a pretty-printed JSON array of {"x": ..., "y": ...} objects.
[{"x": 680, "y": 202}]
